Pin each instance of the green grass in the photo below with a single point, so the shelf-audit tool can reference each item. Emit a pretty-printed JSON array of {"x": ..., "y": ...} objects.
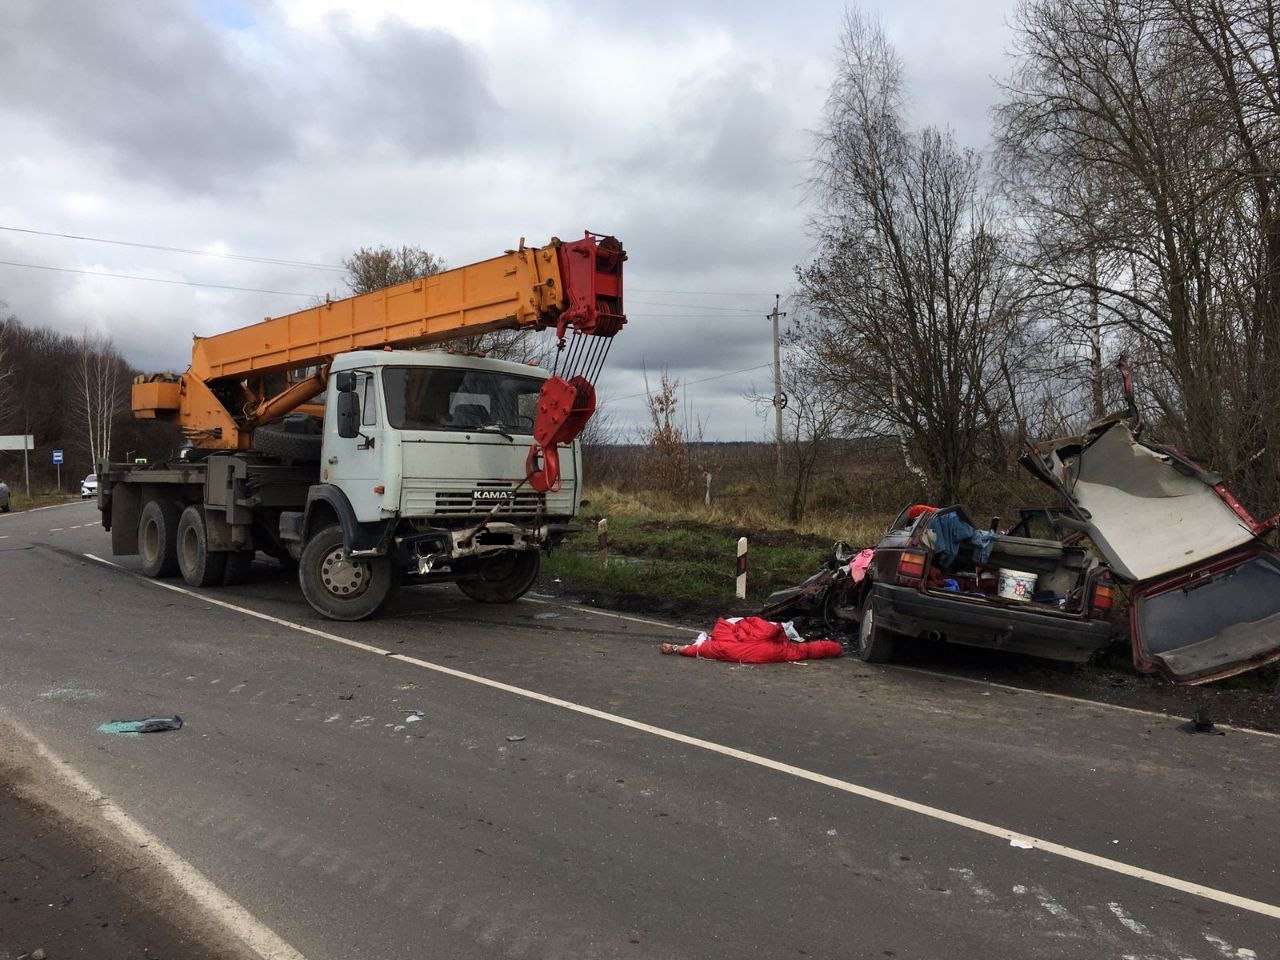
[
  {"x": 665, "y": 550},
  {"x": 41, "y": 498}
]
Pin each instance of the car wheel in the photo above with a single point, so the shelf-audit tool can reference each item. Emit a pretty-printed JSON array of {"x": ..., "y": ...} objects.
[
  {"x": 339, "y": 587},
  {"x": 200, "y": 567},
  {"x": 505, "y": 578},
  {"x": 158, "y": 537},
  {"x": 875, "y": 643}
]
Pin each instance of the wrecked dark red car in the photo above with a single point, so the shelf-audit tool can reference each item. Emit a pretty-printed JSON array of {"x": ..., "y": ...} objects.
[{"x": 1204, "y": 585}]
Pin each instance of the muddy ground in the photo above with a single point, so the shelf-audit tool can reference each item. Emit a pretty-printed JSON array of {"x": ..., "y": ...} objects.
[{"x": 1250, "y": 700}]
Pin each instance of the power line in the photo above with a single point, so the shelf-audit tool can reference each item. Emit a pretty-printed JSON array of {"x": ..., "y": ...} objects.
[
  {"x": 294, "y": 293},
  {"x": 690, "y": 383},
  {"x": 695, "y": 306},
  {"x": 199, "y": 253},
  {"x": 313, "y": 265},
  {"x": 180, "y": 283},
  {"x": 700, "y": 293}
]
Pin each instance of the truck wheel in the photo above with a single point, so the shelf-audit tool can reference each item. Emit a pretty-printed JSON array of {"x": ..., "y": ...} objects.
[
  {"x": 875, "y": 643},
  {"x": 341, "y": 588},
  {"x": 276, "y": 441},
  {"x": 239, "y": 567},
  {"x": 200, "y": 567},
  {"x": 504, "y": 579},
  {"x": 158, "y": 537}
]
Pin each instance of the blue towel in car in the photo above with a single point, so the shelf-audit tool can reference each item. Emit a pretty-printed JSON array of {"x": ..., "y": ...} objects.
[{"x": 952, "y": 533}]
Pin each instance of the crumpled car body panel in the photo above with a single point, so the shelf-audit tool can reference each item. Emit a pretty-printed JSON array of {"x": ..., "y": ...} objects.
[{"x": 1206, "y": 597}]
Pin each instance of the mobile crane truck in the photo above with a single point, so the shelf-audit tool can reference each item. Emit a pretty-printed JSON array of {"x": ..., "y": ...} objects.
[{"x": 322, "y": 439}]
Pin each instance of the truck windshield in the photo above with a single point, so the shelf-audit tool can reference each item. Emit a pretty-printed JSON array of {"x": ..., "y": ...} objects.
[{"x": 453, "y": 398}]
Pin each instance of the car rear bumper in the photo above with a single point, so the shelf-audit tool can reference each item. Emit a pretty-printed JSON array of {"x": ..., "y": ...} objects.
[{"x": 907, "y": 611}]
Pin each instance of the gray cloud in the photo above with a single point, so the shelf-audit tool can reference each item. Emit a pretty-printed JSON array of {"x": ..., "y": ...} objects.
[
  {"x": 419, "y": 92},
  {"x": 148, "y": 84},
  {"x": 167, "y": 94}
]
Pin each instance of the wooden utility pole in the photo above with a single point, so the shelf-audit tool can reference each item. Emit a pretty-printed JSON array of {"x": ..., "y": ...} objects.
[{"x": 779, "y": 398}]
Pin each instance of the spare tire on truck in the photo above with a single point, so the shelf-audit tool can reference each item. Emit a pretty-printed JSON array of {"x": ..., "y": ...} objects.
[{"x": 297, "y": 437}]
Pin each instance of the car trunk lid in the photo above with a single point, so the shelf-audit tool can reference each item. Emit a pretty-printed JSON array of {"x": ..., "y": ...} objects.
[{"x": 1148, "y": 511}]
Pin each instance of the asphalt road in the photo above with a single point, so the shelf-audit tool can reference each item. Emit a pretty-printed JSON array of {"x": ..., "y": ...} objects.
[{"x": 536, "y": 781}]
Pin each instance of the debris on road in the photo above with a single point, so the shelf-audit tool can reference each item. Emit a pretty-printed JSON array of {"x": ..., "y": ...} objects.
[
  {"x": 515, "y": 739},
  {"x": 754, "y": 640},
  {"x": 1202, "y": 723},
  {"x": 145, "y": 725}
]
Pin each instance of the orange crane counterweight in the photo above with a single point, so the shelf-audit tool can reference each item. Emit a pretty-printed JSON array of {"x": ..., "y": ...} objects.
[{"x": 243, "y": 378}]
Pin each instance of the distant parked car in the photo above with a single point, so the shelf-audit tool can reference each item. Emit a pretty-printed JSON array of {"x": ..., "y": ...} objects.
[
  {"x": 4, "y": 497},
  {"x": 89, "y": 487}
]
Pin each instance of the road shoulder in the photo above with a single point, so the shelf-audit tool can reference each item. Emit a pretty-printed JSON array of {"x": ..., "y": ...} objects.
[{"x": 70, "y": 887}]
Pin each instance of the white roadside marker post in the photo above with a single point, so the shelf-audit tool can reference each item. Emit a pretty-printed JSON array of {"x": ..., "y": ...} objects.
[
  {"x": 742, "y": 568},
  {"x": 602, "y": 540}
]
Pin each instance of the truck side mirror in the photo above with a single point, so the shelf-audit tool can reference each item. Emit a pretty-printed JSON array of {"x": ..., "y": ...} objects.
[
  {"x": 345, "y": 381},
  {"x": 348, "y": 413}
]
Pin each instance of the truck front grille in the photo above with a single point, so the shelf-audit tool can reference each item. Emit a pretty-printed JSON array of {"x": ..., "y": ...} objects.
[{"x": 463, "y": 502}]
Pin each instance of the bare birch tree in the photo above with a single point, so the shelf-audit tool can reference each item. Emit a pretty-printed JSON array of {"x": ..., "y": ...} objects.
[
  {"x": 917, "y": 303},
  {"x": 98, "y": 385}
]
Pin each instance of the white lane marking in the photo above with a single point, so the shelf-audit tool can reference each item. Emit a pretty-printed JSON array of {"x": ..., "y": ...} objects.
[
  {"x": 228, "y": 912},
  {"x": 613, "y": 616},
  {"x": 934, "y": 813},
  {"x": 56, "y": 530},
  {"x": 53, "y": 506},
  {"x": 1128, "y": 921},
  {"x": 932, "y": 673}
]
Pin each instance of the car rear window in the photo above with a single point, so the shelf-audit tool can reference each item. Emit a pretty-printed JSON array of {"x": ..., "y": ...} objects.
[{"x": 1179, "y": 618}]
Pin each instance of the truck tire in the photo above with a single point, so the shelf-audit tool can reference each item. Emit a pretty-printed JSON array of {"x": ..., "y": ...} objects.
[
  {"x": 199, "y": 565},
  {"x": 276, "y": 441},
  {"x": 340, "y": 588},
  {"x": 504, "y": 579},
  {"x": 158, "y": 537},
  {"x": 239, "y": 568},
  {"x": 875, "y": 643}
]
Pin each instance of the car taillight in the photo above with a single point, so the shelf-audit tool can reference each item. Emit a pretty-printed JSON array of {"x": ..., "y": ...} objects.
[
  {"x": 910, "y": 568},
  {"x": 1104, "y": 596}
]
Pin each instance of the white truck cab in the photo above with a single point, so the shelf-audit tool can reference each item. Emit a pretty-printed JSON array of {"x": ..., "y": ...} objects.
[{"x": 423, "y": 469}]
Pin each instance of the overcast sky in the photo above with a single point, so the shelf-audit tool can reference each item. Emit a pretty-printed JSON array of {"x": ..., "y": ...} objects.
[{"x": 305, "y": 129}]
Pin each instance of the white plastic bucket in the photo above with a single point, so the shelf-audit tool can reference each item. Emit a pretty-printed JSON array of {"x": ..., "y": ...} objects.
[{"x": 1017, "y": 585}]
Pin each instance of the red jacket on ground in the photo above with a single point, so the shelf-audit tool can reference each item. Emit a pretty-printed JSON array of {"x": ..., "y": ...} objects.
[{"x": 755, "y": 640}]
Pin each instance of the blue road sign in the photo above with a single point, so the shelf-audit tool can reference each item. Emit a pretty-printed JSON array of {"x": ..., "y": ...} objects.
[{"x": 57, "y": 456}]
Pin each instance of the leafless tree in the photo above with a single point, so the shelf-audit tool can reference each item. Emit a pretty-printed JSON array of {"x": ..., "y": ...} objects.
[
  {"x": 917, "y": 304},
  {"x": 99, "y": 392},
  {"x": 1140, "y": 139}
]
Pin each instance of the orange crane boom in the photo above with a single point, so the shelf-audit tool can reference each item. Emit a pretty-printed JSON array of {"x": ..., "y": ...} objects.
[{"x": 241, "y": 379}]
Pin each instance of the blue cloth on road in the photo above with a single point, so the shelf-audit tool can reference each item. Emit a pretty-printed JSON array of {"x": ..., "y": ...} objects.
[{"x": 952, "y": 533}]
